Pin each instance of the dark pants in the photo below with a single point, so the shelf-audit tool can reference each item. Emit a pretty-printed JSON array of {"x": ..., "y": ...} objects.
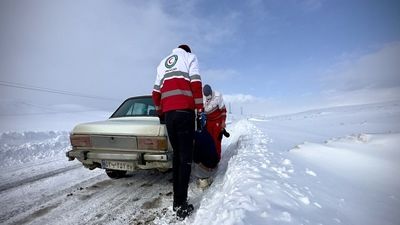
[{"x": 180, "y": 126}]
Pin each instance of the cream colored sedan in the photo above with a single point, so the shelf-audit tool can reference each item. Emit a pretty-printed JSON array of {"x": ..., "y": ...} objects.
[{"x": 132, "y": 138}]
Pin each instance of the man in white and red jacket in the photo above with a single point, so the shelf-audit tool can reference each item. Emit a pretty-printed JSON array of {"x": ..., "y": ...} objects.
[
  {"x": 215, "y": 110},
  {"x": 176, "y": 94}
]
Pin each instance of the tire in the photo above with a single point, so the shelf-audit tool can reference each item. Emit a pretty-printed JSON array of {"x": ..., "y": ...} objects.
[{"x": 115, "y": 174}]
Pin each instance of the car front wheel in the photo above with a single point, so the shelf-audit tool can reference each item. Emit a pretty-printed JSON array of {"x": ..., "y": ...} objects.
[{"x": 115, "y": 174}]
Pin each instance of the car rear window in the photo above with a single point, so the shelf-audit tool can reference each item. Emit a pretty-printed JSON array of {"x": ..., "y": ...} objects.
[{"x": 143, "y": 106}]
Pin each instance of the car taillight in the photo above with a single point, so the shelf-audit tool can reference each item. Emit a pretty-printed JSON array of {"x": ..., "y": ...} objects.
[
  {"x": 152, "y": 143},
  {"x": 80, "y": 140}
]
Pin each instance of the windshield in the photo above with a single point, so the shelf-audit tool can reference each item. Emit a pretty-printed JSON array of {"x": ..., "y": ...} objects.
[{"x": 139, "y": 106}]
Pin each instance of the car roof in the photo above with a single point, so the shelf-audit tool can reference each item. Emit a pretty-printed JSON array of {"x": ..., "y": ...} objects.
[{"x": 140, "y": 96}]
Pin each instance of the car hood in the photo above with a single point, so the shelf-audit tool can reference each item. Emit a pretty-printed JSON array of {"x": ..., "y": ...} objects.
[{"x": 136, "y": 126}]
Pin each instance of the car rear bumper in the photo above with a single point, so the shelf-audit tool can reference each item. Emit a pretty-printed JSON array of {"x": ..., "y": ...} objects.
[{"x": 142, "y": 160}]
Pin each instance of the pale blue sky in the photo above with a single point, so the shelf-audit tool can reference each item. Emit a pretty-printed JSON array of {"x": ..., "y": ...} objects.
[{"x": 266, "y": 56}]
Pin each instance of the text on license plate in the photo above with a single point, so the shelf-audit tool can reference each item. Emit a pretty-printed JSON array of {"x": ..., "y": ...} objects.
[{"x": 117, "y": 165}]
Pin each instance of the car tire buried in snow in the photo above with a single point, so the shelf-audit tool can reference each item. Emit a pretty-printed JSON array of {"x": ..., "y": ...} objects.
[{"x": 115, "y": 174}]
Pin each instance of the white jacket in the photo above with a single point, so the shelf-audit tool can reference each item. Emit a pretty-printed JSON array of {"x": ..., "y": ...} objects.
[
  {"x": 216, "y": 102},
  {"x": 178, "y": 83}
]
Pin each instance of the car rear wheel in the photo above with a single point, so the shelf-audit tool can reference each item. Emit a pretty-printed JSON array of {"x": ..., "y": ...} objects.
[
  {"x": 164, "y": 170},
  {"x": 115, "y": 174}
]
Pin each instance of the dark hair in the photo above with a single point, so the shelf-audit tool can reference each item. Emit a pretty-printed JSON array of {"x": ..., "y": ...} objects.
[{"x": 185, "y": 47}]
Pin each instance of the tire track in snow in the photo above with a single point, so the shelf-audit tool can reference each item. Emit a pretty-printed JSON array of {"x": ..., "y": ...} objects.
[
  {"x": 19, "y": 183},
  {"x": 139, "y": 197},
  {"x": 19, "y": 207},
  {"x": 126, "y": 205},
  {"x": 38, "y": 213}
]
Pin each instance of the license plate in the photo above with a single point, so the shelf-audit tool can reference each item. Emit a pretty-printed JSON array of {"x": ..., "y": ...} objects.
[{"x": 117, "y": 165}]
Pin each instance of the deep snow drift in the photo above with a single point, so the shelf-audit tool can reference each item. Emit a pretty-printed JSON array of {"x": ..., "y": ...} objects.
[{"x": 328, "y": 166}]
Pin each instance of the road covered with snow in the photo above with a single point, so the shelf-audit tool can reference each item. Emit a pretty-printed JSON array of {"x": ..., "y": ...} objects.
[{"x": 328, "y": 166}]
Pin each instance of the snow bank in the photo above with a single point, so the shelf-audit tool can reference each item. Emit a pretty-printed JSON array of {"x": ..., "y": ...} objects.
[
  {"x": 348, "y": 179},
  {"x": 355, "y": 182},
  {"x": 18, "y": 148},
  {"x": 324, "y": 124},
  {"x": 251, "y": 186}
]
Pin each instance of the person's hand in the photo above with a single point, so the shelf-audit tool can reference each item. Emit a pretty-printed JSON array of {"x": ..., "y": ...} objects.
[
  {"x": 200, "y": 113},
  {"x": 201, "y": 120},
  {"x": 161, "y": 116}
]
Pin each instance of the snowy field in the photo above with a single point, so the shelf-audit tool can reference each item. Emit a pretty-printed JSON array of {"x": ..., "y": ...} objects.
[{"x": 329, "y": 166}]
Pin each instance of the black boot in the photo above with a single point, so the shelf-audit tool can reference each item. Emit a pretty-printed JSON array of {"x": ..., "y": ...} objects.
[{"x": 184, "y": 211}]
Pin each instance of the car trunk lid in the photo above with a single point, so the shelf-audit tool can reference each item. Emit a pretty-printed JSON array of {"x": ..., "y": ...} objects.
[{"x": 129, "y": 126}]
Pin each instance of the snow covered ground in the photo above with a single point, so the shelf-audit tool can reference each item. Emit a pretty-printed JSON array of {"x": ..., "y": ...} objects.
[{"x": 327, "y": 166}]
